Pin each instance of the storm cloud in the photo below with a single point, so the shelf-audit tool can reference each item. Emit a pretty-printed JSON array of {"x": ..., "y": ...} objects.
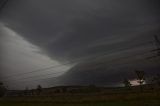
[{"x": 99, "y": 41}]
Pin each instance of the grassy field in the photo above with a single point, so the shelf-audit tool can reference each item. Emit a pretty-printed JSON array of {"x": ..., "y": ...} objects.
[
  {"x": 133, "y": 103},
  {"x": 143, "y": 99}
]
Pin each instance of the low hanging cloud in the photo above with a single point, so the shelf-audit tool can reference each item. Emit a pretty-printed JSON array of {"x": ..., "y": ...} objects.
[{"x": 94, "y": 36}]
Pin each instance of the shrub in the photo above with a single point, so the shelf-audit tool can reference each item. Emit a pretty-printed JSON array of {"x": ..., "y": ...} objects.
[{"x": 2, "y": 90}]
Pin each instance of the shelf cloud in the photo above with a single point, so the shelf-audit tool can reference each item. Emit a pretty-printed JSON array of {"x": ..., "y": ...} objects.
[{"x": 96, "y": 41}]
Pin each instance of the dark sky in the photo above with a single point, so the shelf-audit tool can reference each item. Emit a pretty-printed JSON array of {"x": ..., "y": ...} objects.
[{"x": 84, "y": 41}]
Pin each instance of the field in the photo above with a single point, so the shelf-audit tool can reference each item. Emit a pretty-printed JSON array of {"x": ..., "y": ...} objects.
[
  {"x": 150, "y": 103},
  {"x": 133, "y": 99}
]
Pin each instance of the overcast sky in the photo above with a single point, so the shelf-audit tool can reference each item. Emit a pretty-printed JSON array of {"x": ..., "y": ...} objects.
[{"x": 74, "y": 42}]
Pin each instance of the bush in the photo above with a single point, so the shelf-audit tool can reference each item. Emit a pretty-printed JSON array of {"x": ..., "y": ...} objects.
[{"x": 2, "y": 90}]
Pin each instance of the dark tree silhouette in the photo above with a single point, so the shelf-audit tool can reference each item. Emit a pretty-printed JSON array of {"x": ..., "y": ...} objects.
[
  {"x": 32, "y": 92},
  {"x": 156, "y": 79},
  {"x": 140, "y": 78},
  {"x": 26, "y": 91},
  {"x": 39, "y": 89},
  {"x": 127, "y": 84},
  {"x": 92, "y": 88},
  {"x": 2, "y": 90}
]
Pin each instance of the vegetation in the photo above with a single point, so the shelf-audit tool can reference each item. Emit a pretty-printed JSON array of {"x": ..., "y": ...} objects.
[
  {"x": 140, "y": 78},
  {"x": 157, "y": 79},
  {"x": 89, "y": 95},
  {"x": 39, "y": 89},
  {"x": 127, "y": 84},
  {"x": 122, "y": 99},
  {"x": 150, "y": 103},
  {"x": 2, "y": 90}
]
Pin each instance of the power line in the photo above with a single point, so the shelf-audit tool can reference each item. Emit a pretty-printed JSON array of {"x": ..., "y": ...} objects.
[
  {"x": 48, "y": 74},
  {"x": 22, "y": 79},
  {"x": 51, "y": 67}
]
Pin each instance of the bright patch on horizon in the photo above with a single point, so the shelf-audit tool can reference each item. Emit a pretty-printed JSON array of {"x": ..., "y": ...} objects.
[{"x": 135, "y": 82}]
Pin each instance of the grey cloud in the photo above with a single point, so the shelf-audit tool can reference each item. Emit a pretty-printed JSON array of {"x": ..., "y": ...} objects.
[{"x": 76, "y": 29}]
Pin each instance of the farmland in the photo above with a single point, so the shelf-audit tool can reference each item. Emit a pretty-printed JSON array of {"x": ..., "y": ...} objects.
[{"x": 147, "y": 98}]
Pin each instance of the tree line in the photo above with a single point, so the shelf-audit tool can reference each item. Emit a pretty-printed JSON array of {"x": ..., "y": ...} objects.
[
  {"x": 155, "y": 80},
  {"x": 2, "y": 89}
]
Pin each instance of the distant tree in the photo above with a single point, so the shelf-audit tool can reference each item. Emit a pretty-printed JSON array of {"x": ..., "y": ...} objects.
[
  {"x": 92, "y": 88},
  {"x": 140, "y": 78},
  {"x": 2, "y": 90},
  {"x": 57, "y": 91},
  {"x": 32, "y": 92},
  {"x": 39, "y": 89},
  {"x": 64, "y": 89},
  {"x": 26, "y": 91},
  {"x": 156, "y": 79},
  {"x": 127, "y": 84}
]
